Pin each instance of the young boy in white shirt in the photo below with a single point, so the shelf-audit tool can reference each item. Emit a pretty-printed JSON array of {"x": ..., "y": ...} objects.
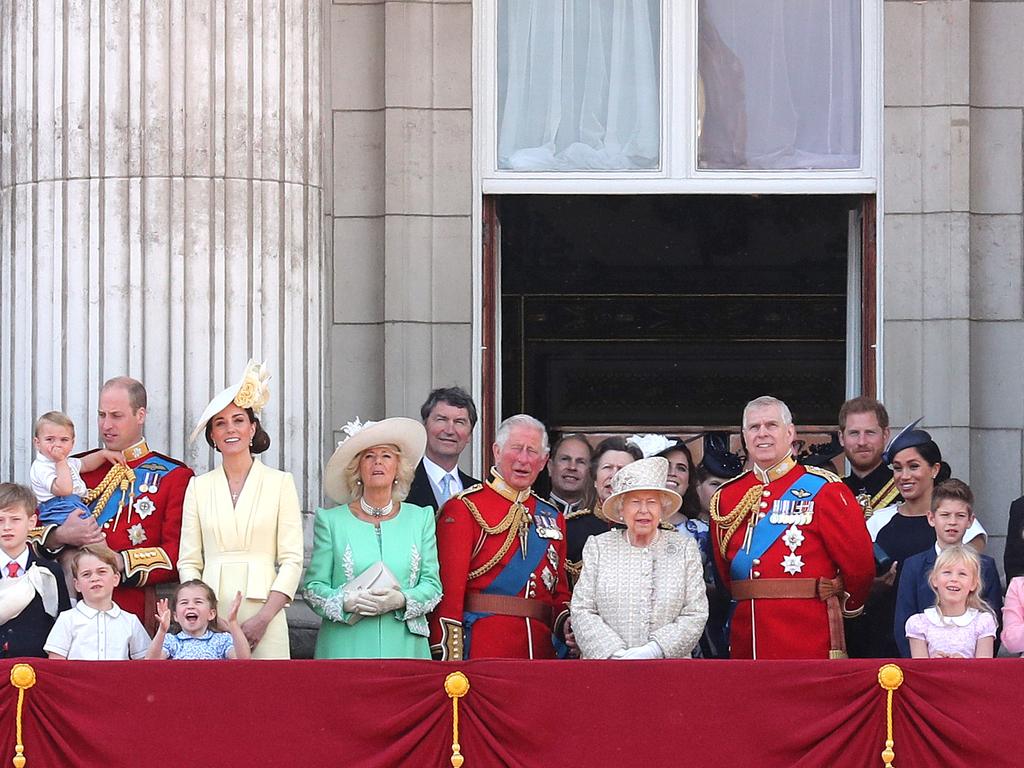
[{"x": 96, "y": 629}]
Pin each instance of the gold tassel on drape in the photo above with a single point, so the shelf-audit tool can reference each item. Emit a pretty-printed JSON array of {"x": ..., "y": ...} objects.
[
  {"x": 890, "y": 677},
  {"x": 456, "y": 685},
  {"x": 23, "y": 677}
]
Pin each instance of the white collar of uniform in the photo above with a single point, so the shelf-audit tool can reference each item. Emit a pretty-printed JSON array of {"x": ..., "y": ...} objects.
[
  {"x": 963, "y": 620},
  {"x": 570, "y": 506},
  {"x": 90, "y": 613},
  {"x": 21, "y": 560},
  {"x": 775, "y": 471},
  {"x": 435, "y": 473},
  {"x": 40, "y": 457}
]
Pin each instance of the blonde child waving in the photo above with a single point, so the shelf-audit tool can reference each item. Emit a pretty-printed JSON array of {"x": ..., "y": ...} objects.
[
  {"x": 195, "y": 608},
  {"x": 961, "y": 624}
]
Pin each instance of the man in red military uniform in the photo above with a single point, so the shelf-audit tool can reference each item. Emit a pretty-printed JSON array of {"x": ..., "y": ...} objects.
[
  {"x": 789, "y": 541},
  {"x": 136, "y": 506},
  {"x": 502, "y": 555}
]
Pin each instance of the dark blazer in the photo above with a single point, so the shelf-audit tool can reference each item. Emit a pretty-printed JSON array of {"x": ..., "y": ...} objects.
[
  {"x": 421, "y": 493},
  {"x": 26, "y": 633},
  {"x": 914, "y": 594},
  {"x": 1013, "y": 557}
]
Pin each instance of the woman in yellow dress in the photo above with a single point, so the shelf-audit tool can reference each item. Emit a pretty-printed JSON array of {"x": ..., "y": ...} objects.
[{"x": 241, "y": 528}]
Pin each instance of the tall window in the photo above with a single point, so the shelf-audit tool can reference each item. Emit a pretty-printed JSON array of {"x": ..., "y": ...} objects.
[
  {"x": 680, "y": 91},
  {"x": 578, "y": 85},
  {"x": 779, "y": 84}
]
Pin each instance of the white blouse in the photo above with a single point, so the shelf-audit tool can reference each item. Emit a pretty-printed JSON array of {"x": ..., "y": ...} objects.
[{"x": 627, "y": 596}]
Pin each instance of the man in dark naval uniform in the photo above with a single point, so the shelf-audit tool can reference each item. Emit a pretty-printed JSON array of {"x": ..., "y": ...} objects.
[
  {"x": 864, "y": 433},
  {"x": 136, "y": 506}
]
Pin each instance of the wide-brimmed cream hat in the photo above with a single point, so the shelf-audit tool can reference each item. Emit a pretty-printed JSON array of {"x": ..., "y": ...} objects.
[
  {"x": 644, "y": 475},
  {"x": 408, "y": 434},
  {"x": 251, "y": 391}
]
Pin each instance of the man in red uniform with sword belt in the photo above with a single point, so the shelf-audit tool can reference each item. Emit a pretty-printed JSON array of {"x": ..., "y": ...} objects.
[
  {"x": 136, "y": 506},
  {"x": 502, "y": 555},
  {"x": 791, "y": 546}
]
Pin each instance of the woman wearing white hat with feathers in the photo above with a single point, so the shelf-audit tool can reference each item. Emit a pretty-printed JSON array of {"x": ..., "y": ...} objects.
[
  {"x": 373, "y": 575},
  {"x": 641, "y": 593},
  {"x": 241, "y": 528}
]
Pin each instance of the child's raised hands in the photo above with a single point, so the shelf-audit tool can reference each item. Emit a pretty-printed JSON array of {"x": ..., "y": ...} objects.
[
  {"x": 235, "y": 605},
  {"x": 163, "y": 614}
]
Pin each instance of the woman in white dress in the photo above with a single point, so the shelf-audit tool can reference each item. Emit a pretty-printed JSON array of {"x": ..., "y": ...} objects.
[{"x": 641, "y": 593}]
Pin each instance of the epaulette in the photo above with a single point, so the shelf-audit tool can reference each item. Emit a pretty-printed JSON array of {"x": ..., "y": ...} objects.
[
  {"x": 546, "y": 503},
  {"x": 731, "y": 480},
  {"x": 471, "y": 489},
  {"x": 831, "y": 477},
  {"x": 168, "y": 459},
  {"x": 578, "y": 513}
]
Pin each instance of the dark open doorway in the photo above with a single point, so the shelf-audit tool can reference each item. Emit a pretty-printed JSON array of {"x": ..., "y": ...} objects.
[{"x": 670, "y": 311}]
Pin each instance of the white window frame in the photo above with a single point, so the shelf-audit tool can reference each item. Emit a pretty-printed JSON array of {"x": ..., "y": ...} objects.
[{"x": 678, "y": 173}]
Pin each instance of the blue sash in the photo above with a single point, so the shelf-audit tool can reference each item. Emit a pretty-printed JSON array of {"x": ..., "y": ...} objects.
[
  {"x": 512, "y": 578},
  {"x": 766, "y": 532},
  {"x": 152, "y": 466}
]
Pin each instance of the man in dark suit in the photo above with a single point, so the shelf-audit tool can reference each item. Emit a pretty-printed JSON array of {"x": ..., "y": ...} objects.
[
  {"x": 951, "y": 515},
  {"x": 449, "y": 415}
]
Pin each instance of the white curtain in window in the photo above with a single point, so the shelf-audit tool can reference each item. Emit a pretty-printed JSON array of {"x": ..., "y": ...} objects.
[
  {"x": 578, "y": 84},
  {"x": 781, "y": 84}
]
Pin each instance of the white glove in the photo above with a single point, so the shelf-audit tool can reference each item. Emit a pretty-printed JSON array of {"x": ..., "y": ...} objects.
[
  {"x": 378, "y": 601},
  {"x": 619, "y": 654},
  {"x": 650, "y": 650},
  {"x": 352, "y": 600}
]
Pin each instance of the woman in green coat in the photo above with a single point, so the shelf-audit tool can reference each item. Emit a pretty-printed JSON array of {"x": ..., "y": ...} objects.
[{"x": 373, "y": 576}]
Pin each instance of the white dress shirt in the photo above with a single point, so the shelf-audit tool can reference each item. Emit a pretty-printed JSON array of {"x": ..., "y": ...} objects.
[
  {"x": 84, "y": 633},
  {"x": 436, "y": 474},
  {"x": 21, "y": 560}
]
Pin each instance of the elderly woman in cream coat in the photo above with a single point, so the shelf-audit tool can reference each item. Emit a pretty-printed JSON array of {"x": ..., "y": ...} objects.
[
  {"x": 241, "y": 529},
  {"x": 641, "y": 593}
]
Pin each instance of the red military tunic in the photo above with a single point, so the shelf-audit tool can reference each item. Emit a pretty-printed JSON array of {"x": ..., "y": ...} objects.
[
  {"x": 146, "y": 531},
  {"x": 823, "y": 540},
  {"x": 471, "y": 566}
]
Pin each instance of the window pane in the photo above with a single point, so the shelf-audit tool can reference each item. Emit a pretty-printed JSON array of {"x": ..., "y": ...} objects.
[
  {"x": 779, "y": 84},
  {"x": 578, "y": 84}
]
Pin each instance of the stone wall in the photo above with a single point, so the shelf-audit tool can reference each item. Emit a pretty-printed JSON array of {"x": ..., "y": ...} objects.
[
  {"x": 400, "y": 300},
  {"x": 953, "y": 298}
]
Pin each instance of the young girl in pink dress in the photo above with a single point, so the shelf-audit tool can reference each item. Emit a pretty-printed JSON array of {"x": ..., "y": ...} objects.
[{"x": 961, "y": 625}]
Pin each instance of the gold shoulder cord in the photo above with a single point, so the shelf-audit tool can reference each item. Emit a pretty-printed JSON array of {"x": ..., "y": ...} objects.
[
  {"x": 120, "y": 476},
  {"x": 727, "y": 524},
  {"x": 517, "y": 519}
]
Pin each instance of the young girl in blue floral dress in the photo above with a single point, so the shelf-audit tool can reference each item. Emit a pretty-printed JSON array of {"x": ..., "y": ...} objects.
[{"x": 195, "y": 608}]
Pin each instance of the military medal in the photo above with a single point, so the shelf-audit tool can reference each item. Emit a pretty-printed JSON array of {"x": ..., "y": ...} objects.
[
  {"x": 793, "y": 538},
  {"x": 553, "y": 556},
  {"x": 137, "y": 534},
  {"x": 548, "y": 578},
  {"x": 144, "y": 507}
]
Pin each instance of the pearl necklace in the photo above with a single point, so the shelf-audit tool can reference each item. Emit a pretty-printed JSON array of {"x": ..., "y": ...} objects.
[{"x": 373, "y": 511}]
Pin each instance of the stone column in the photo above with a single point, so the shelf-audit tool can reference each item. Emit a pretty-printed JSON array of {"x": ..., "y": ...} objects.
[
  {"x": 401, "y": 99},
  {"x": 160, "y": 199},
  {"x": 997, "y": 263},
  {"x": 926, "y": 237}
]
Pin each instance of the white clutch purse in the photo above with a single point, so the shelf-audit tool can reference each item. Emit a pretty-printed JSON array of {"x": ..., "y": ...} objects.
[{"x": 377, "y": 576}]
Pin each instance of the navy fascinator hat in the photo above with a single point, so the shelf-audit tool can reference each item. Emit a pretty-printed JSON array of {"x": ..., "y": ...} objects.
[{"x": 908, "y": 437}]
